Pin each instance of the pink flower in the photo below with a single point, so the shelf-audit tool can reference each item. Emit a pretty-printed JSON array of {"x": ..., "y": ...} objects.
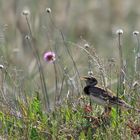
[{"x": 49, "y": 57}]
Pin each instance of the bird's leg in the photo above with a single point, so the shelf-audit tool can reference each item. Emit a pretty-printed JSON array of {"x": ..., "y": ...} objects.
[
  {"x": 107, "y": 111},
  {"x": 105, "y": 117}
]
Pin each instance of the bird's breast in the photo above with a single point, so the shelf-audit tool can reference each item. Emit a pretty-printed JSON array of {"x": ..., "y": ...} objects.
[{"x": 98, "y": 100}]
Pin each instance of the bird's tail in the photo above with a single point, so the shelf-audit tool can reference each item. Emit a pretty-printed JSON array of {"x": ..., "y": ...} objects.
[
  {"x": 132, "y": 108},
  {"x": 137, "y": 110}
]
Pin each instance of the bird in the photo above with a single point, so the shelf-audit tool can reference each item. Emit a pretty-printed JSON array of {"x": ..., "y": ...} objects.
[{"x": 102, "y": 96}]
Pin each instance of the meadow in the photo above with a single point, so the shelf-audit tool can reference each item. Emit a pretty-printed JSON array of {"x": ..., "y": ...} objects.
[{"x": 45, "y": 49}]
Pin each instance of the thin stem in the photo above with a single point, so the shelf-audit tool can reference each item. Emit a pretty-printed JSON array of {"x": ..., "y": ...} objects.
[
  {"x": 120, "y": 52},
  {"x": 138, "y": 42},
  {"x": 89, "y": 64},
  {"x": 29, "y": 27},
  {"x": 59, "y": 96},
  {"x": 56, "y": 83},
  {"x": 36, "y": 55},
  {"x": 121, "y": 75},
  {"x": 68, "y": 51},
  {"x": 110, "y": 73},
  {"x": 71, "y": 58},
  {"x": 42, "y": 78}
]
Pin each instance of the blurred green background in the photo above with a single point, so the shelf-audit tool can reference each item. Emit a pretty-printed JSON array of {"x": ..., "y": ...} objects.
[{"x": 93, "y": 20}]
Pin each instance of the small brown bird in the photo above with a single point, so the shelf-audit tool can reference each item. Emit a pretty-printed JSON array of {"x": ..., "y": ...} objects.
[{"x": 103, "y": 97}]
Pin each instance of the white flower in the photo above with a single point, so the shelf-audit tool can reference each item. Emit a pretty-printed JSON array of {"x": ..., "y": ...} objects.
[
  {"x": 86, "y": 45},
  {"x": 119, "y": 32},
  {"x": 26, "y": 12},
  {"x": 135, "y": 33},
  {"x": 1, "y": 66},
  {"x": 27, "y": 37},
  {"x": 48, "y": 10}
]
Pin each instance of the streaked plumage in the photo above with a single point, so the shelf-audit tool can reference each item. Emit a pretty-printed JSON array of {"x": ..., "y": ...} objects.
[{"x": 101, "y": 96}]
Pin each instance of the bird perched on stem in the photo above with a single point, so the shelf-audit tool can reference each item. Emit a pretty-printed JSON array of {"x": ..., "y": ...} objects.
[{"x": 103, "y": 97}]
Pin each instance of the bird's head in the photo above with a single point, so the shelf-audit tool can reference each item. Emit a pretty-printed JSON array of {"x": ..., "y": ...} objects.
[{"x": 90, "y": 80}]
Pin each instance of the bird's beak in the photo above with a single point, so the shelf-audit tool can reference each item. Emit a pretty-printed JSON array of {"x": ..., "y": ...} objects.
[{"x": 83, "y": 78}]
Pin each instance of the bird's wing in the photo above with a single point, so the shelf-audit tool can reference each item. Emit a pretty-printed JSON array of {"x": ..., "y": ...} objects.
[
  {"x": 109, "y": 98},
  {"x": 105, "y": 96},
  {"x": 99, "y": 92}
]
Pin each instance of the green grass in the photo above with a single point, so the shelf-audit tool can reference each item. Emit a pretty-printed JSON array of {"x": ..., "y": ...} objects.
[{"x": 66, "y": 121}]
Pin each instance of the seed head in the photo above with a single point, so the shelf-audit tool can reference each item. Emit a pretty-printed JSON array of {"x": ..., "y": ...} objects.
[
  {"x": 119, "y": 32},
  {"x": 90, "y": 73},
  {"x": 49, "y": 57},
  {"x": 86, "y": 45},
  {"x": 135, "y": 33},
  {"x": 27, "y": 37},
  {"x": 48, "y": 10},
  {"x": 1, "y": 66},
  {"x": 26, "y": 12}
]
